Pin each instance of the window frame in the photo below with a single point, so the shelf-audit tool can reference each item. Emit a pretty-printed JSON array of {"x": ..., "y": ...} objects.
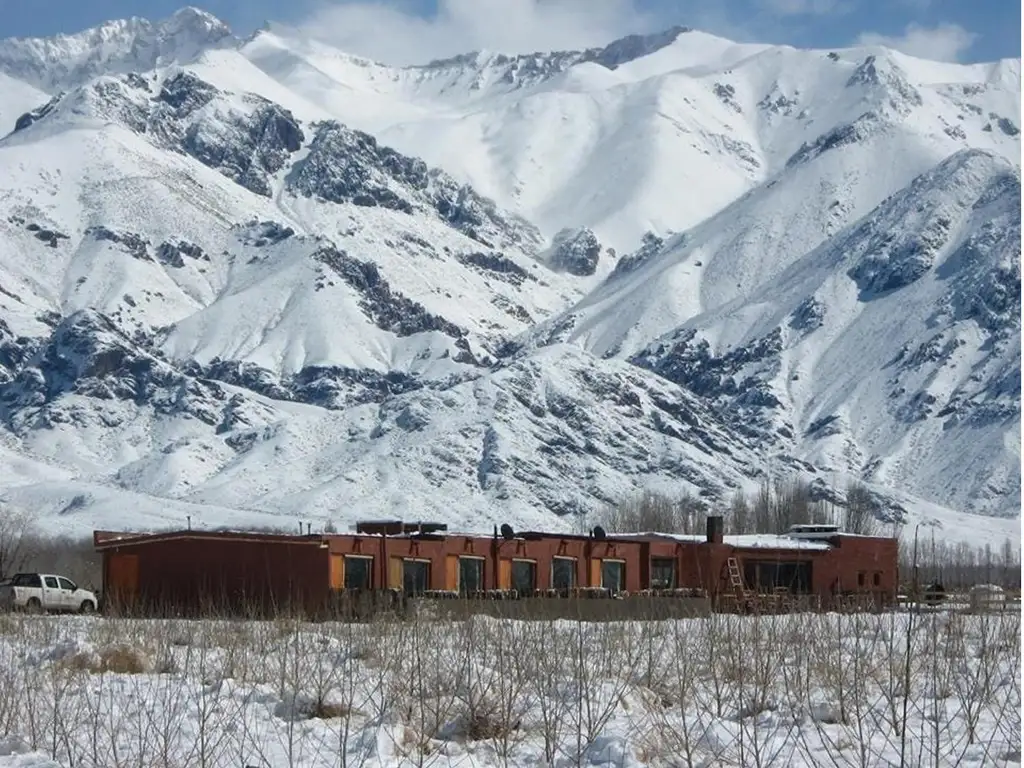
[
  {"x": 533, "y": 573},
  {"x": 368, "y": 559},
  {"x": 480, "y": 562},
  {"x": 420, "y": 561},
  {"x": 656, "y": 561},
  {"x": 622, "y": 573},
  {"x": 575, "y": 566}
]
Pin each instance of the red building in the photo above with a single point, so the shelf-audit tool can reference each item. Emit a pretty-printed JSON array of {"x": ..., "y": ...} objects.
[{"x": 193, "y": 570}]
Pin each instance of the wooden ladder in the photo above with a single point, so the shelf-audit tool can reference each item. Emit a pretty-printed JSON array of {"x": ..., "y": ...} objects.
[{"x": 736, "y": 577}]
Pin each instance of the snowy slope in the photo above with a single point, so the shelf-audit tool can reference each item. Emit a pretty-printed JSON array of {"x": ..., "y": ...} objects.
[
  {"x": 892, "y": 351},
  {"x": 229, "y": 287},
  {"x": 659, "y": 136}
]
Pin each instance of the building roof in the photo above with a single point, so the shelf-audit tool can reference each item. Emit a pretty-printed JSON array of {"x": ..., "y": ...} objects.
[
  {"x": 740, "y": 541},
  {"x": 111, "y": 539}
]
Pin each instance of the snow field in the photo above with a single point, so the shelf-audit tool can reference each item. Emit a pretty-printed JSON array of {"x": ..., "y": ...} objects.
[{"x": 794, "y": 690}]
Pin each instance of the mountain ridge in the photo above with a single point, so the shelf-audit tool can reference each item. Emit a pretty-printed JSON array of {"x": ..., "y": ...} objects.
[{"x": 263, "y": 301}]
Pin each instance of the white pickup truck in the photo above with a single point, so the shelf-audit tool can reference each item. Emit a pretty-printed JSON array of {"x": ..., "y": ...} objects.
[{"x": 38, "y": 592}]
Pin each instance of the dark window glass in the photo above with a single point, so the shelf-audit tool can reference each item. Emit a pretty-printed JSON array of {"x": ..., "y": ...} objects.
[
  {"x": 860, "y": 579},
  {"x": 877, "y": 579},
  {"x": 415, "y": 576},
  {"x": 524, "y": 576},
  {"x": 66, "y": 584},
  {"x": 663, "y": 573},
  {"x": 471, "y": 574},
  {"x": 768, "y": 576},
  {"x": 26, "y": 580},
  {"x": 51, "y": 582},
  {"x": 357, "y": 572},
  {"x": 563, "y": 573},
  {"x": 613, "y": 575}
]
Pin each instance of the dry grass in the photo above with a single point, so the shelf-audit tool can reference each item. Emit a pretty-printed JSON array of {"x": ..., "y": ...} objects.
[
  {"x": 118, "y": 659},
  {"x": 89, "y": 692}
]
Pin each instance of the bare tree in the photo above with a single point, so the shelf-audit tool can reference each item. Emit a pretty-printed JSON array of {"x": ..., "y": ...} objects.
[
  {"x": 15, "y": 540},
  {"x": 860, "y": 511}
]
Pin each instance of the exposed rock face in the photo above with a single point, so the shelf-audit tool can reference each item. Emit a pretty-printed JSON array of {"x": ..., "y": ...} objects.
[
  {"x": 650, "y": 246},
  {"x": 36, "y": 114},
  {"x": 576, "y": 251},
  {"x": 389, "y": 310},
  {"x": 347, "y": 166},
  {"x": 532, "y": 68},
  {"x": 87, "y": 355}
]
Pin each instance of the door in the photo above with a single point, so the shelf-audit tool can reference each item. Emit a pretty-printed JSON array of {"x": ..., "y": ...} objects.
[
  {"x": 53, "y": 596},
  {"x": 68, "y": 590}
]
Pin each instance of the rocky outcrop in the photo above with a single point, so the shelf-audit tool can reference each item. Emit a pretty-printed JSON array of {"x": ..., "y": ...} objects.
[
  {"x": 576, "y": 251},
  {"x": 348, "y": 166}
]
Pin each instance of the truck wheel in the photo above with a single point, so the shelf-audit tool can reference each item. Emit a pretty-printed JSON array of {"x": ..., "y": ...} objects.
[
  {"x": 33, "y": 605},
  {"x": 87, "y": 607}
]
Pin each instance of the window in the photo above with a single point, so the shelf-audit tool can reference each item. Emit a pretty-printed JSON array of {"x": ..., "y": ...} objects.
[
  {"x": 66, "y": 584},
  {"x": 767, "y": 576},
  {"x": 877, "y": 579},
  {"x": 524, "y": 575},
  {"x": 563, "y": 573},
  {"x": 26, "y": 580},
  {"x": 613, "y": 575},
  {"x": 471, "y": 574},
  {"x": 51, "y": 582},
  {"x": 358, "y": 572},
  {"x": 663, "y": 573},
  {"x": 415, "y": 576},
  {"x": 860, "y": 579}
]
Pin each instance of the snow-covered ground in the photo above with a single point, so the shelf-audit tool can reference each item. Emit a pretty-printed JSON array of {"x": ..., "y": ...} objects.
[{"x": 795, "y": 690}]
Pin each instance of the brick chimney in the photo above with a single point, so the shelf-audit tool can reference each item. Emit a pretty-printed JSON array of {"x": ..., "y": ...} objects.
[{"x": 716, "y": 529}]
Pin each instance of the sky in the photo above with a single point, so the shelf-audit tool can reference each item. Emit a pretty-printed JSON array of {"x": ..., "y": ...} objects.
[{"x": 416, "y": 31}]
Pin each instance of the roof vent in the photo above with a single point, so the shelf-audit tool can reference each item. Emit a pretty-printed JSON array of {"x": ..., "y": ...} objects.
[
  {"x": 813, "y": 531},
  {"x": 397, "y": 527}
]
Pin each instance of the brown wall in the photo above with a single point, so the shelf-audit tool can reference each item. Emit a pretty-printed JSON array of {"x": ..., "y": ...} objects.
[
  {"x": 219, "y": 574},
  {"x": 438, "y": 548},
  {"x": 189, "y": 568}
]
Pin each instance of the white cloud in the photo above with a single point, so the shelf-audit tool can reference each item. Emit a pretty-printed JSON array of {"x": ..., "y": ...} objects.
[
  {"x": 805, "y": 7},
  {"x": 945, "y": 42},
  {"x": 394, "y": 33}
]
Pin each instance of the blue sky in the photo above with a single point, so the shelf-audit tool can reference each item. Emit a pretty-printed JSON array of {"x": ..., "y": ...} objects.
[{"x": 963, "y": 30}]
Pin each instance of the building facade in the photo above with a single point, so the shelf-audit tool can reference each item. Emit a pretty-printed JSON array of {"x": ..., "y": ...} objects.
[{"x": 197, "y": 570}]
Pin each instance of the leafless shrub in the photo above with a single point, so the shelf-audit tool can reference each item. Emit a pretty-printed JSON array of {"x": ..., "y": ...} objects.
[
  {"x": 754, "y": 690},
  {"x": 16, "y": 539}
]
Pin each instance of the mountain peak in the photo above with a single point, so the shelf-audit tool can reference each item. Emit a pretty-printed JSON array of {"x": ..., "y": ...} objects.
[
  {"x": 119, "y": 46},
  {"x": 527, "y": 68},
  {"x": 192, "y": 19}
]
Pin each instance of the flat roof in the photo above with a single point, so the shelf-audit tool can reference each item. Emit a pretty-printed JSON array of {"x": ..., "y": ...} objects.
[
  {"x": 110, "y": 539},
  {"x": 740, "y": 541}
]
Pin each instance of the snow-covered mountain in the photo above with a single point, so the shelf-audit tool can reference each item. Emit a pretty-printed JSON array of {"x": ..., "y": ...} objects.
[{"x": 230, "y": 287}]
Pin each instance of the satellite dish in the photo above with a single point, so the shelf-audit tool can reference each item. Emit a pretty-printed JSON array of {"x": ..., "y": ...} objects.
[
  {"x": 507, "y": 532},
  {"x": 598, "y": 533}
]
